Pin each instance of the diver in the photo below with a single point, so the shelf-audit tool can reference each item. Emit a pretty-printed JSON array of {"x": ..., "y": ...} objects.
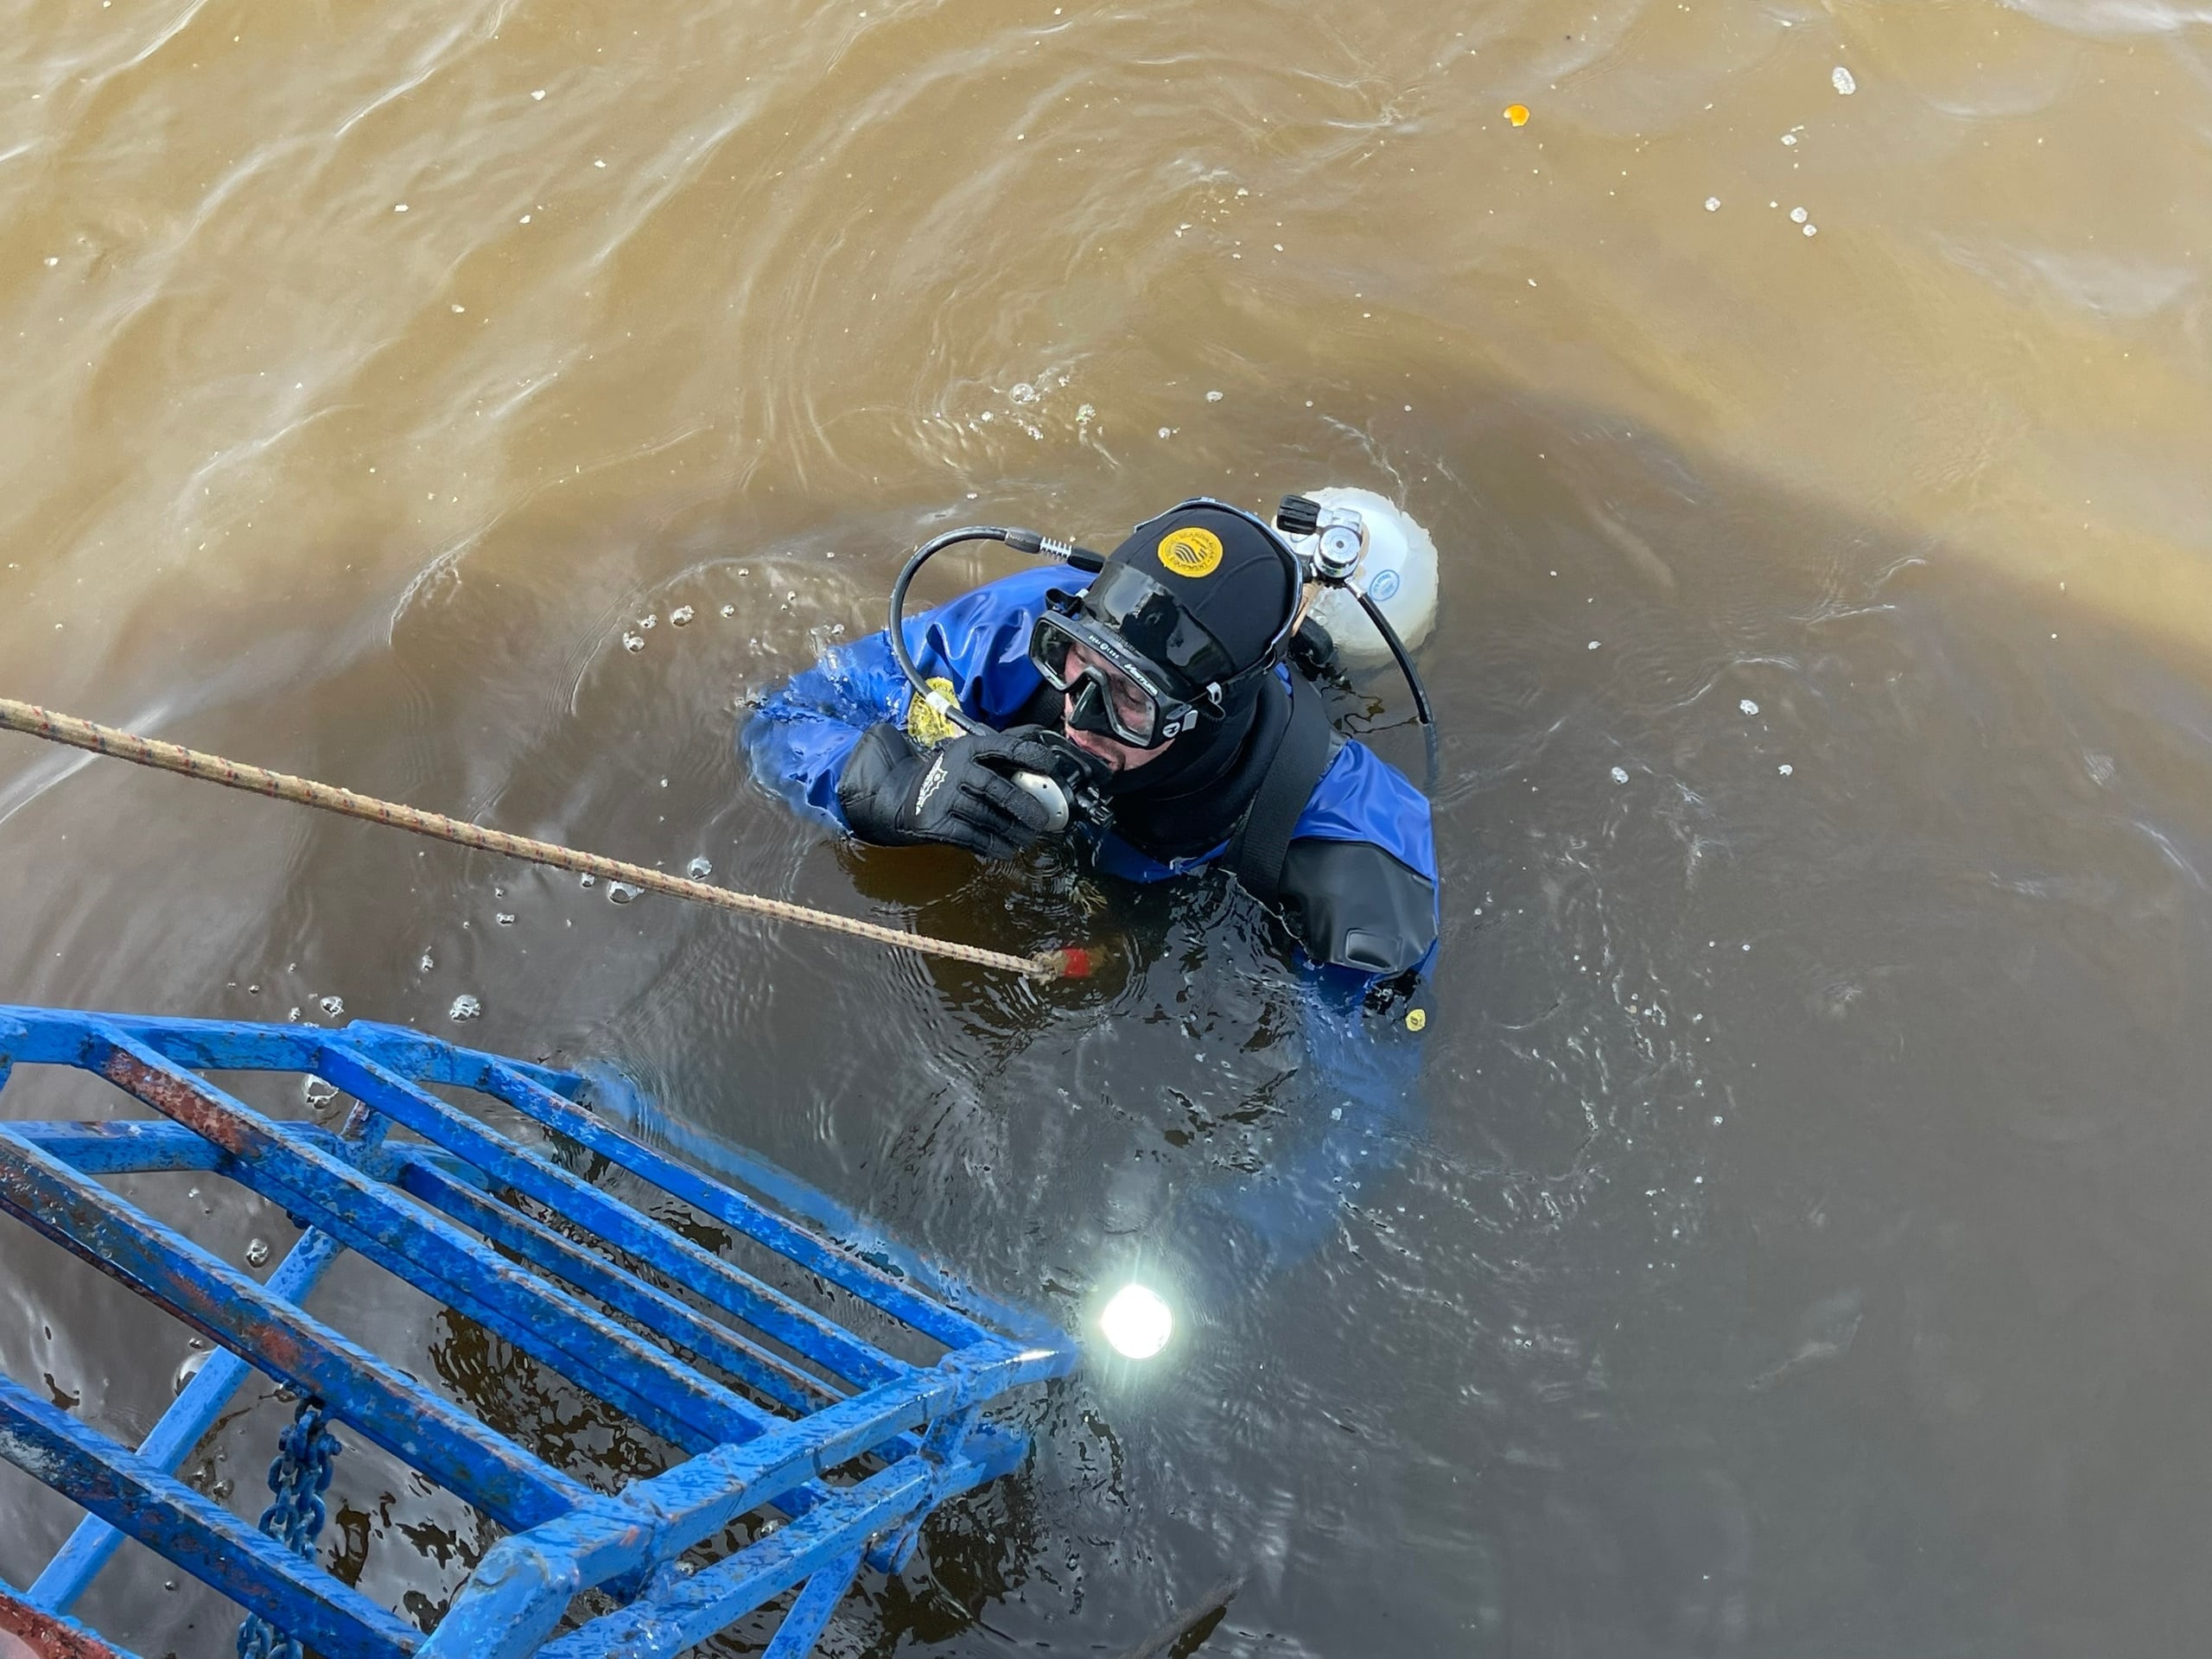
[
  {"x": 1167, "y": 686},
  {"x": 1158, "y": 705}
]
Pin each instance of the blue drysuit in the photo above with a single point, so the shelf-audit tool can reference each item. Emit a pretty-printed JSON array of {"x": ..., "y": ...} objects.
[{"x": 1361, "y": 1096}]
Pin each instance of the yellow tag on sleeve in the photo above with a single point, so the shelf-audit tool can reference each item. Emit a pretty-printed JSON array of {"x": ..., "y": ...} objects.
[{"x": 924, "y": 723}]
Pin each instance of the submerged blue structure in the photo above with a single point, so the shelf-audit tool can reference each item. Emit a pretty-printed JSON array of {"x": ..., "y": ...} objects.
[{"x": 826, "y": 1402}]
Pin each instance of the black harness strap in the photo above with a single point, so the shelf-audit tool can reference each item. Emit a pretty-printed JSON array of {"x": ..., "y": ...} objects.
[{"x": 1262, "y": 841}]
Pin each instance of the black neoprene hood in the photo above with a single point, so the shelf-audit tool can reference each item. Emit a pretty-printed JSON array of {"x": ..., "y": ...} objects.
[{"x": 1222, "y": 579}]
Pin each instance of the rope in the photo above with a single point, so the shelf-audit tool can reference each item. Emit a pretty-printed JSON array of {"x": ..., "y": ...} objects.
[{"x": 34, "y": 722}]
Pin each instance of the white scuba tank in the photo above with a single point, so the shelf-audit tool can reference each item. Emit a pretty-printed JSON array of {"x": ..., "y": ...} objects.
[{"x": 1397, "y": 570}]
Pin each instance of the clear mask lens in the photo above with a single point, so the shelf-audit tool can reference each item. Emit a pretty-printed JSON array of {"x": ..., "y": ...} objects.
[{"x": 1106, "y": 699}]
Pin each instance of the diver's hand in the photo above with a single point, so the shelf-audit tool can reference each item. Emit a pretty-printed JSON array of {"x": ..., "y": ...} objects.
[{"x": 959, "y": 793}]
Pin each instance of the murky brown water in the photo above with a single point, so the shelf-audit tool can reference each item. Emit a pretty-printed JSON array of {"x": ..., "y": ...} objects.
[{"x": 1803, "y": 1248}]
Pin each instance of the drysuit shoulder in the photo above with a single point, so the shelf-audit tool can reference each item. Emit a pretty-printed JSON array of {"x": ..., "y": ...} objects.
[{"x": 1352, "y": 905}]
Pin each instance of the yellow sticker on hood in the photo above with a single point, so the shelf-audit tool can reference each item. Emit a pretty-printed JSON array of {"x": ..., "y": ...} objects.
[{"x": 1191, "y": 551}]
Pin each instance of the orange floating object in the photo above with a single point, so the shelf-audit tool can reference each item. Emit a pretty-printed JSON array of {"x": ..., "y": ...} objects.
[{"x": 1518, "y": 114}]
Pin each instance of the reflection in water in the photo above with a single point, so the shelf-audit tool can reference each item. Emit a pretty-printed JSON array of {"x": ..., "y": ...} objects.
[{"x": 1793, "y": 1241}]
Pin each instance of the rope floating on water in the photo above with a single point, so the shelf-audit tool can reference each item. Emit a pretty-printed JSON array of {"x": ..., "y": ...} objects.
[{"x": 34, "y": 722}]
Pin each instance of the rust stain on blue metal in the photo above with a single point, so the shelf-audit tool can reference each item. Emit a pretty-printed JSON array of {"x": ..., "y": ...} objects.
[
  {"x": 800, "y": 1416},
  {"x": 50, "y": 1634}
]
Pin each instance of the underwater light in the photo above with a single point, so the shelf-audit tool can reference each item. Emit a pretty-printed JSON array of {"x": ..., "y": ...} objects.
[{"x": 1136, "y": 1323}]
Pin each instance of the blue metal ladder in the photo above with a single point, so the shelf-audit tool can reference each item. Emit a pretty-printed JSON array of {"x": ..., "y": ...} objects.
[{"x": 834, "y": 1448}]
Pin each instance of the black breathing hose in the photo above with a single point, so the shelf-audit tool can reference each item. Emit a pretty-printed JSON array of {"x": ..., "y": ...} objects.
[
  {"x": 1064, "y": 791},
  {"x": 1398, "y": 650},
  {"x": 951, "y": 710},
  {"x": 1413, "y": 682}
]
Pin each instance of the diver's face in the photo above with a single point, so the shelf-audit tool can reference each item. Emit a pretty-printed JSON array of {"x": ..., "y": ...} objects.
[{"x": 1117, "y": 755}]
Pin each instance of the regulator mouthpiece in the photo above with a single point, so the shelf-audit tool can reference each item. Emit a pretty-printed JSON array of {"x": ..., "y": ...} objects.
[
  {"x": 1068, "y": 789},
  {"x": 1048, "y": 793}
]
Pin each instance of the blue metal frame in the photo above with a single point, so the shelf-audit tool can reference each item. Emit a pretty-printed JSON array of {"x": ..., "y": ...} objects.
[{"x": 783, "y": 1409}]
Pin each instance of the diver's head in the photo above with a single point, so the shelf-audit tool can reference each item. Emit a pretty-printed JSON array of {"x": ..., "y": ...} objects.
[{"x": 1177, "y": 630}]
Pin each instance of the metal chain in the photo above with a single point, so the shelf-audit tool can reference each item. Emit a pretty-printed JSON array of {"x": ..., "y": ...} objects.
[{"x": 306, "y": 1453}]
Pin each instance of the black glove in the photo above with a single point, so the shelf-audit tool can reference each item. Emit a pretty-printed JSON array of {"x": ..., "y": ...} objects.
[{"x": 958, "y": 793}]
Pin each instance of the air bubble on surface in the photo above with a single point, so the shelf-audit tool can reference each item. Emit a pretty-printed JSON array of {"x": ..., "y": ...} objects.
[
  {"x": 256, "y": 1253},
  {"x": 1843, "y": 81},
  {"x": 698, "y": 869},
  {"x": 1620, "y": 774},
  {"x": 1748, "y": 706},
  {"x": 1798, "y": 215},
  {"x": 190, "y": 1369},
  {"x": 729, "y": 610},
  {"x": 622, "y": 893},
  {"x": 1812, "y": 230},
  {"x": 587, "y": 880},
  {"x": 633, "y": 642},
  {"x": 317, "y": 1093},
  {"x": 1712, "y": 204},
  {"x": 1784, "y": 769},
  {"x": 334, "y": 1006},
  {"x": 1213, "y": 396},
  {"x": 681, "y": 615},
  {"x": 464, "y": 1006},
  {"x": 506, "y": 918}
]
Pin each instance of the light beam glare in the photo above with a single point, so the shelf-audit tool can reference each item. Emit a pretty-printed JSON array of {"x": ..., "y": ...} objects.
[{"x": 1136, "y": 1323}]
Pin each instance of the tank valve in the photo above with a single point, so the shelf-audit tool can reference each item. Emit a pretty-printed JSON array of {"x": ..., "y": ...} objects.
[
  {"x": 1344, "y": 538},
  {"x": 1340, "y": 533}
]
